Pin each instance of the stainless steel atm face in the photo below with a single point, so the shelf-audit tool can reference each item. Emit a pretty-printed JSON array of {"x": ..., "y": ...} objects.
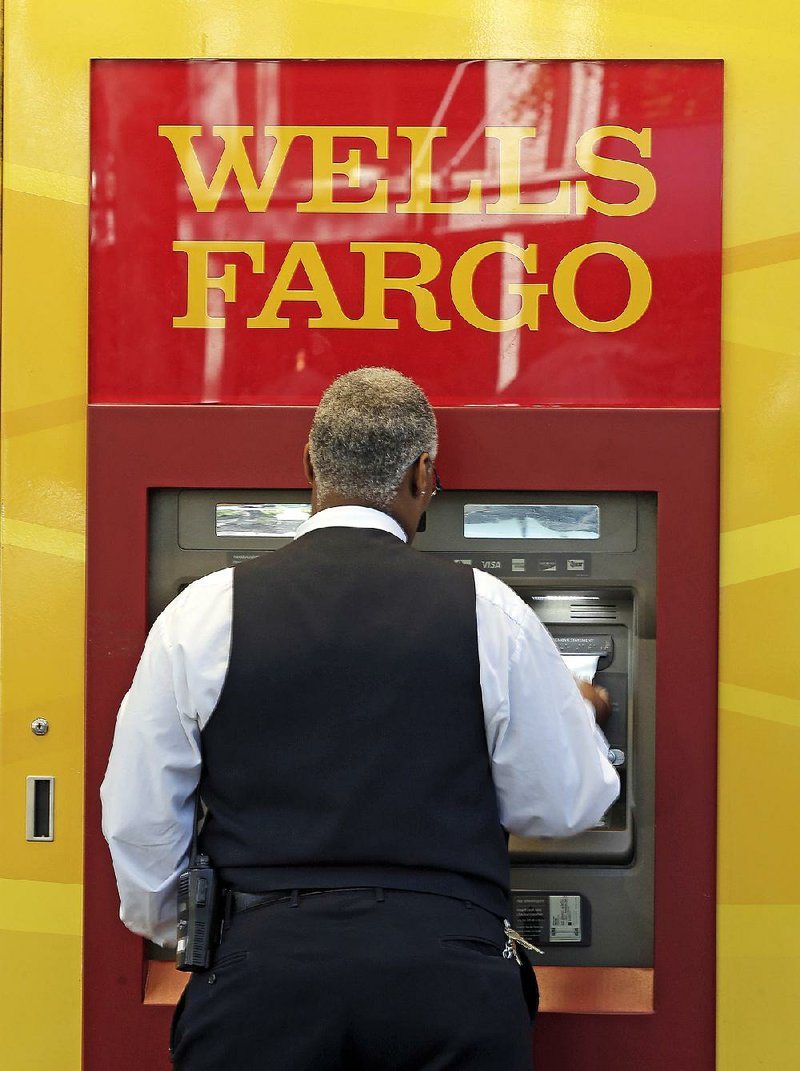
[{"x": 585, "y": 563}]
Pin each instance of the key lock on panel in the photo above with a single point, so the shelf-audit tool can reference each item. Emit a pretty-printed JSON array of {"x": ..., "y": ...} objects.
[{"x": 585, "y": 563}]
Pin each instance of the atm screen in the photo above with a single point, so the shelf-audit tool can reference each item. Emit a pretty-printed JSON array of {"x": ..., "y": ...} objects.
[
  {"x": 522, "y": 521},
  {"x": 260, "y": 518}
]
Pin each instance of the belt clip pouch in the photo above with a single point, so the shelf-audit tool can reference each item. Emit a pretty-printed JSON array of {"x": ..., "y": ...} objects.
[
  {"x": 198, "y": 916},
  {"x": 530, "y": 987}
]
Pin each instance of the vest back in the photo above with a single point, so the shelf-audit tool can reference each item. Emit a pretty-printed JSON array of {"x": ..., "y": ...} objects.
[{"x": 348, "y": 745}]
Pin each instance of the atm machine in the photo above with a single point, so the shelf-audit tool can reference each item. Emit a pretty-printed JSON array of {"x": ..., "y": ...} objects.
[
  {"x": 586, "y": 564},
  {"x": 178, "y": 491}
]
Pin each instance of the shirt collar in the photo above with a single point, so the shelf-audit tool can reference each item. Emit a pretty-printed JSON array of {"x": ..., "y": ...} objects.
[{"x": 351, "y": 517}]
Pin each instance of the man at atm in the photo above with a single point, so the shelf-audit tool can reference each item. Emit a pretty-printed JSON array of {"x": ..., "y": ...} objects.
[{"x": 365, "y": 724}]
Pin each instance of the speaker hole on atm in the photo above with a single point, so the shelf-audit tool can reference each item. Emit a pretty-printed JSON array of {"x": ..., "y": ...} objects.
[{"x": 578, "y": 612}]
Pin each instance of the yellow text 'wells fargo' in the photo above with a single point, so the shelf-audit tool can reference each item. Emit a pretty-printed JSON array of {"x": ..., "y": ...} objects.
[{"x": 337, "y": 163}]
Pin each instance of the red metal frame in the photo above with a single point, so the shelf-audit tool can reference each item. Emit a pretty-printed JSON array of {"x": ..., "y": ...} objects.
[{"x": 674, "y": 453}]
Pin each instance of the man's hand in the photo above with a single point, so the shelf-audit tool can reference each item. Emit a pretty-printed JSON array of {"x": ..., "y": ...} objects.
[{"x": 599, "y": 699}]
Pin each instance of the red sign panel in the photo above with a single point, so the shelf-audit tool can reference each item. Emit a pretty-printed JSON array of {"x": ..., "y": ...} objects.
[{"x": 504, "y": 232}]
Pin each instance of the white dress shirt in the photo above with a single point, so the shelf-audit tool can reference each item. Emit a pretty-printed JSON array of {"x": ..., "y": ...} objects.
[{"x": 548, "y": 757}]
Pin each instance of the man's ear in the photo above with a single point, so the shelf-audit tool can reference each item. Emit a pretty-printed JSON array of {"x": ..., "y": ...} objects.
[
  {"x": 419, "y": 475},
  {"x": 308, "y": 468}
]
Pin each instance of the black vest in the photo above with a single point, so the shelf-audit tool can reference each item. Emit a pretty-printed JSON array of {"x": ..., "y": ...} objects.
[{"x": 348, "y": 745}]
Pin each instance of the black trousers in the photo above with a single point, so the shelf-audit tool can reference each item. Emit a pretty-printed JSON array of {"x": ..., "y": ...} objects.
[{"x": 359, "y": 980}]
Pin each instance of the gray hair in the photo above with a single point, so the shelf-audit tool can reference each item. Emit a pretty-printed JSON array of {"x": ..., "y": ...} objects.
[{"x": 370, "y": 425}]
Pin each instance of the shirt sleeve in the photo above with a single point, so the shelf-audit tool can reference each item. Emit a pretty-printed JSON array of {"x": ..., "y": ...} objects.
[
  {"x": 549, "y": 759},
  {"x": 153, "y": 771}
]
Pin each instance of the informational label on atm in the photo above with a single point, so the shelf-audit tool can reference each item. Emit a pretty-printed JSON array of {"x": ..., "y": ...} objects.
[
  {"x": 514, "y": 565},
  {"x": 565, "y": 919},
  {"x": 553, "y": 918}
]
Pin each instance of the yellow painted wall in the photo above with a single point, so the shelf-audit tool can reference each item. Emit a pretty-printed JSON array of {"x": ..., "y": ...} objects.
[{"x": 47, "y": 49}]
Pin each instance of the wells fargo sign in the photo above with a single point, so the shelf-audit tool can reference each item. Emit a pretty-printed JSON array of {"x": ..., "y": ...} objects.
[
  {"x": 235, "y": 164},
  {"x": 505, "y": 232}
]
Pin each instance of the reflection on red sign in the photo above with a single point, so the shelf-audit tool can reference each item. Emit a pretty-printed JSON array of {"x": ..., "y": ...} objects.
[{"x": 504, "y": 232}]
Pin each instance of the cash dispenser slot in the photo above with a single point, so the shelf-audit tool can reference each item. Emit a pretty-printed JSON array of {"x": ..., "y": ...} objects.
[
  {"x": 586, "y": 656},
  {"x": 592, "y": 630}
]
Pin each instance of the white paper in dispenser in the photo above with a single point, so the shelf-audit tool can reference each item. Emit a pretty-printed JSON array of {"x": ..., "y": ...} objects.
[{"x": 584, "y": 667}]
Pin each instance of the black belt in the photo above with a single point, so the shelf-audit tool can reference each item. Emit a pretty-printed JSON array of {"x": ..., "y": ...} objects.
[{"x": 235, "y": 902}]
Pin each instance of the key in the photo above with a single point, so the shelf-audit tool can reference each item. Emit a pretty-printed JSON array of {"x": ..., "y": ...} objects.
[{"x": 514, "y": 939}]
